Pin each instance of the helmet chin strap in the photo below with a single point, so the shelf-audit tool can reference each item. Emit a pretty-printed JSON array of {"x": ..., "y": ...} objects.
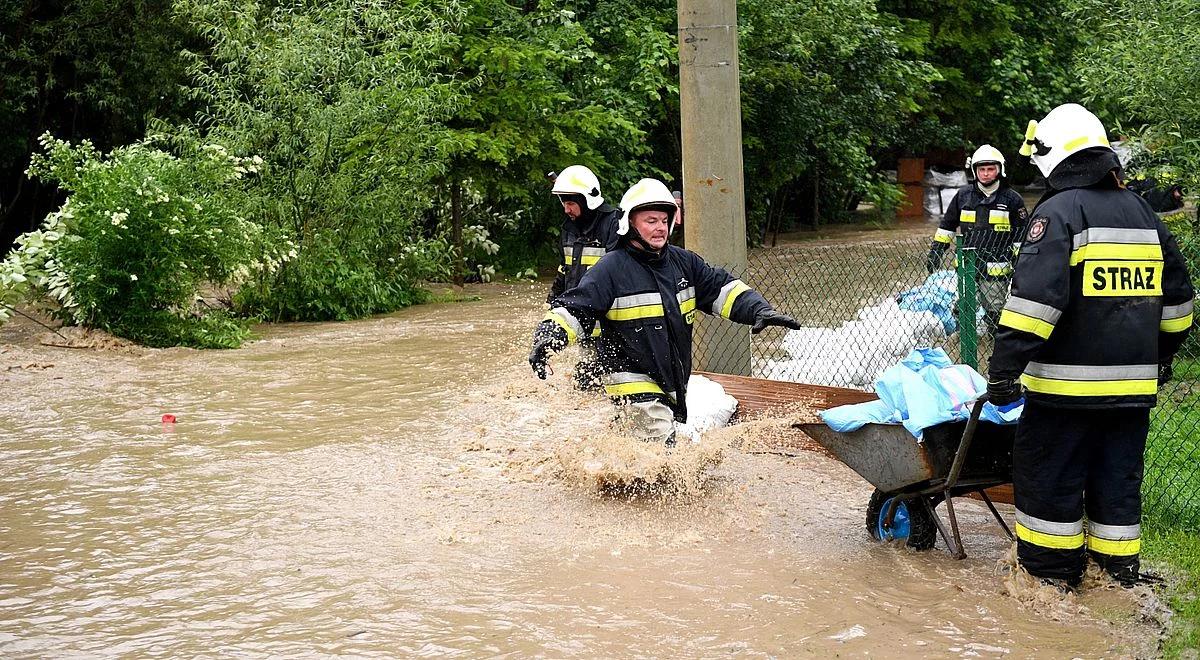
[{"x": 640, "y": 243}]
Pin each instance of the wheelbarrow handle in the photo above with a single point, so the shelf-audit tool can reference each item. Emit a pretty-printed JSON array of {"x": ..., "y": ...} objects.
[{"x": 964, "y": 445}]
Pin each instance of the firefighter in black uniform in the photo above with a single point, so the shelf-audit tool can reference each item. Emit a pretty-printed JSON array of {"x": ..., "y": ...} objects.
[
  {"x": 991, "y": 217},
  {"x": 1100, "y": 303},
  {"x": 645, "y": 296},
  {"x": 589, "y": 230}
]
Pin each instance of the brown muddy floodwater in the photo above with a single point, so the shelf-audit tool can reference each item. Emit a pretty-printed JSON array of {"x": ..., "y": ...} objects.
[{"x": 390, "y": 487}]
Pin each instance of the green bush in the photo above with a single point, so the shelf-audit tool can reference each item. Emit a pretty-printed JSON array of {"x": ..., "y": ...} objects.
[
  {"x": 334, "y": 282},
  {"x": 141, "y": 231}
]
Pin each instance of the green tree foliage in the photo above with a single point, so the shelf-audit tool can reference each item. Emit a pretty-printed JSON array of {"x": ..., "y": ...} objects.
[
  {"x": 1145, "y": 75},
  {"x": 345, "y": 102},
  {"x": 140, "y": 233},
  {"x": 79, "y": 69},
  {"x": 823, "y": 90},
  {"x": 1002, "y": 62},
  {"x": 538, "y": 97}
]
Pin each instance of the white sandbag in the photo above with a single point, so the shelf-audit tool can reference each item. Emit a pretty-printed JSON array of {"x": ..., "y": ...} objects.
[
  {"x": 855, "y": 353},
  {"x": 709, "y": 407}
]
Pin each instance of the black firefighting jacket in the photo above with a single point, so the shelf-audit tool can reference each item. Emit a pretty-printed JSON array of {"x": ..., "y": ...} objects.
[
  {"x": 990, "y": 223},
  {"x": 1100, "y": 297},
  {"x": 583, "y": 242},
  {"x": 645, "y": 304}
]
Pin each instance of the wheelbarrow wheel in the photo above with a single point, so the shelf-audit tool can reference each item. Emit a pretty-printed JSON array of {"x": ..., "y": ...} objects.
[{"x": 910, "y": 522}]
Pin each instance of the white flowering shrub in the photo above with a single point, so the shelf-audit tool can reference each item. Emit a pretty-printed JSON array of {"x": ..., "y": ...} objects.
[{"x": 140, "y": 232}]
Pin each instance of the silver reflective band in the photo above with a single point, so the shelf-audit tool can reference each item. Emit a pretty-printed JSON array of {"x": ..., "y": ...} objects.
[
  {"x": 636, "y": 300},
  {"x": 1033, "y": 309},
  {"x": 569, "y": 319},
  {"x": 1114, "y": 235},
  {"x": 686, "y": 294},
  {"x": 1047, "y": 527},
  {"x": 1177, "y": 311},
  {"x": 723, "y": 295},
  {"x": 997, "y": 213},
  {"x": 1090, "y": 372},
  {"x": 1114, "y": 532},
  {"x": 594, "y": 252},
  {"x": 944, "y": 232},
  {"x": 621, "y": 377}
]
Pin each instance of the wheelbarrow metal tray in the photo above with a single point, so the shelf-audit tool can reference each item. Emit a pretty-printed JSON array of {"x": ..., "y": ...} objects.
[{"x": 892, "y": 460}]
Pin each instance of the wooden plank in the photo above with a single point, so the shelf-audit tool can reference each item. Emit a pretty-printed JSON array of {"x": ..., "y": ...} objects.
[{"x": 758, "y": 395}]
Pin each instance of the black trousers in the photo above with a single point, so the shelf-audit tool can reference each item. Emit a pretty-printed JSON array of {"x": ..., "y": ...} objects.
[{"x": 1068, "y": 462}]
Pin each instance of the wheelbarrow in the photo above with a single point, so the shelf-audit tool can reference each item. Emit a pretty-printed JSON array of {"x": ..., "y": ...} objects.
[{"x": 911, "y": 478}]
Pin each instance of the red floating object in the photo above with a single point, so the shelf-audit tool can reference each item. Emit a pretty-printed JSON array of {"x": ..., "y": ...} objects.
[{"x": 168, "y": 418}]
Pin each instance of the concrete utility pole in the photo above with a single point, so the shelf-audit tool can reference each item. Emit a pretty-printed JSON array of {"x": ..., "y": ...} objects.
[{"x": 711, "y": 116}]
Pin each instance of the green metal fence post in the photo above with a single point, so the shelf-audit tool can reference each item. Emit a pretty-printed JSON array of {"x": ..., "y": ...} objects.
[{"x": 968, "y": 339}]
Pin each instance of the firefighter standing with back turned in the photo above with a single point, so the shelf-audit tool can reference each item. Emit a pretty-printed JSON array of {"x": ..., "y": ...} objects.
[
  {"x": 645, "y": 295},
  {"x": 588, "y": 232},
  {"x": 1100, "y": 302},
  {"x": 991, "y": 217}
]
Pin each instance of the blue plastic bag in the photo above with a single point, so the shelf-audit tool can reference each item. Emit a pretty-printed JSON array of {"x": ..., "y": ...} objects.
[{"x": 923, "y": 390}]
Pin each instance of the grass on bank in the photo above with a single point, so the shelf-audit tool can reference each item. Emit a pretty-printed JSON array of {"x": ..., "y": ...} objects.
[{"x": 1180, "y": 551}]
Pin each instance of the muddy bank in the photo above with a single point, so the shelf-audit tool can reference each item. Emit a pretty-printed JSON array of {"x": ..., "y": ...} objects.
[{"x": 396, "y": 486}]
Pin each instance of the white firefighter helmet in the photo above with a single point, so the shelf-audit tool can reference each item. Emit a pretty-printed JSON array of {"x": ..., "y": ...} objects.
[
  {"x": 986, "y": 153},
  {"x": 647, "y": 192},
  {"x": 1066, "y": 130},
  {"x": 579, "y": 180}
]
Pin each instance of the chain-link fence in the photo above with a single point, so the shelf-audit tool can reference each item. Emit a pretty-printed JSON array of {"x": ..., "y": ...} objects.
[{"x": 867, "y": 304}]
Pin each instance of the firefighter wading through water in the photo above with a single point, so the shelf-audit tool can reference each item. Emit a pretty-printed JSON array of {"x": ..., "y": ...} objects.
[
  {"x": 589, "y": 231},
  {"x": 991, "y": 217},
  {"x": 645, "y": 296},
  {"x": 1100, "y": 303}
]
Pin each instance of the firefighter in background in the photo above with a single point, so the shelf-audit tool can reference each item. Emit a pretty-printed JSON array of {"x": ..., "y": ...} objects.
[
  {"x": 589, "y": 230},
  {"x": 1101, "y": 301},
  {"x": 645, "y": 296},
  {"x": 991, "y": 217}
]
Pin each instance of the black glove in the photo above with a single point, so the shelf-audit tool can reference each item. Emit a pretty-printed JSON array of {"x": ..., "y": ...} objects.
[
  {"x": 1164, "y": 373},
  {"x": 934, "y": 260},
  {"x": 1003, "y": 391},
  {"x": 772, "y": 317},
  {"x": 548, "y": 338}
]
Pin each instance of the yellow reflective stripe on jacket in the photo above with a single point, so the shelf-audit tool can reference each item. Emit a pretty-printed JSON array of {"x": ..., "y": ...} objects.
[
  {"x": 998, "y": 268},
  {"x": 997, "y": 217},
  {"x": 687, "y": 300},
  {"x": 966, "y": 216},
  {"x": 1019, "y": 321},
  {"x": 591, "y": 255},
  {"x": 1030, "y": 316},
  {"x": 943, "y": 236},
  {"x": 624, "y": 383},
  {"x": 723, "y": 305},
  {"x": 1116, "y": 252},
  {"x": 1052, "y": 541},
  {"x": 636, "y": 306},
  {"x": 633, "y": 313},
  {"x": 566, "y": 321},
  {"x": 1176, "y": 318},
  {"x": 1091, "y": 380},
  {"x": 1115, "y": 243},
  {"x": 588, "y": 257}
]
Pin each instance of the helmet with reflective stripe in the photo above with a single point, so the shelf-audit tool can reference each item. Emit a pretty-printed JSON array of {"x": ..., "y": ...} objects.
[
  {"x": 986, "y": 154},
  {"x": 579, "y": 180},
  {"x": 1067, "y": 129},
  {"x": 647, "y": 193}
]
